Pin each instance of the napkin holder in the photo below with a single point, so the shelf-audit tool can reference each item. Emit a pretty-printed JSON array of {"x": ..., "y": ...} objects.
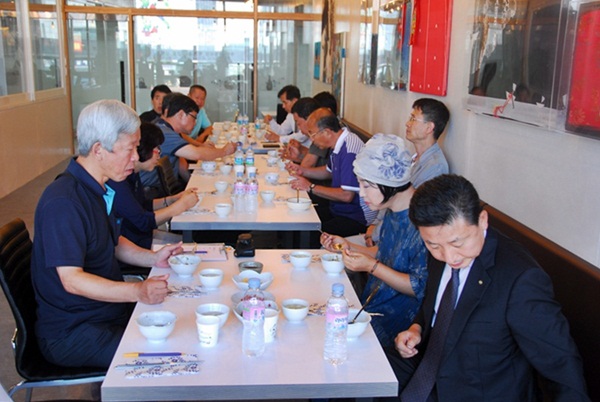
[{"x": 244, "y": 247}]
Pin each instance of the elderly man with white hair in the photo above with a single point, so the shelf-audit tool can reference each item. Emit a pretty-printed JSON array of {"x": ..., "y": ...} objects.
[{"x": 83, "y": 303}]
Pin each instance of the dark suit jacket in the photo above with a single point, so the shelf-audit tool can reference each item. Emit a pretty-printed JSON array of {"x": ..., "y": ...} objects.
[{"x": 506, "y": 326}]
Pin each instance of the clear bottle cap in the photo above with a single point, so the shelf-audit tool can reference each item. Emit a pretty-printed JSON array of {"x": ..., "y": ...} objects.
[
  {"x": 254, "y": 283},
  {"x": 337, "y": 289}
]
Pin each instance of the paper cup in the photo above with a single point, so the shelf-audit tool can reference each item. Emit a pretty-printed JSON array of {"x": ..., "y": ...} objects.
[
  {"x": 208, "y": 330},
  {"x": 271, "y": 317}
]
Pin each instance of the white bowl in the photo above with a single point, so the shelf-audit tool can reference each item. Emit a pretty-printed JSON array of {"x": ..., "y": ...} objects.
[
  {"x": 156, "y": 326},
  {"x": 362, "y": 322},
  {"x": 294, "y": 309},
  {"x": 300, "y": 259},
  {"x": 209, "y": 166},
  {"x": 211, "y": 277},
  {"x": 221, "y": 186},
  {"x": 269, "y": 304},
  {"x": 298, "y": 204},
  {"x": 273, "y": 153},
  {"x": 251, "y": 265},
  {"x": 332, "y": 263},
  {"x": 241, "y": 280},
  {"x": 215, "y": 309},
  {"x": 184, "y": 265},
  {"x": 267, "y": 195},
  {"x": 226, "y": 169},
  {"x": 236, "y": 298},
  {"x": 222, "y": 209},
  {"x": 272, "y": 177}
]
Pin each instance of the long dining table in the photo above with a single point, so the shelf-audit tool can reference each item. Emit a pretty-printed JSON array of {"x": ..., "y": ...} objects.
[
  {"x": 269, "y": 216},
  {"x": 292, "y": 366}
]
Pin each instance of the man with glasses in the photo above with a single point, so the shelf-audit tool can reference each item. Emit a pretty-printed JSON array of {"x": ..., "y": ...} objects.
[
  {"x": 179, "y": 117},
  {"x": 424, "y": 127},
  {"x": 345, "y": 216}
]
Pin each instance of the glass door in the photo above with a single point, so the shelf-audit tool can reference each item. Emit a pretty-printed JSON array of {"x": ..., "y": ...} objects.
[{"x": 98, "y": 58}]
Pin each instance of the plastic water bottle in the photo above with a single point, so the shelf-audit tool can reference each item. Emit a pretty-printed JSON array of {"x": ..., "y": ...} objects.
[
  {"x": 251, "y": 193},
  {"x": 245, "y": 120},
  {"x": 240, "y": 120},
  {"x": 336, "y": 326},
  {"x": 257, "y": 124},
  {"x": 238, "y": 157},
  {"x": 239, "y": 192},
  {"x": 253, "y": 314},
  {"x": 250, "y": 156}
]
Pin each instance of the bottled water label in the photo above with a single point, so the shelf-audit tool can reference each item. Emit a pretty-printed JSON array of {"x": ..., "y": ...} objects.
[
  {"x": 336, "y": 320},
  {"x": 254, "y": 313}
]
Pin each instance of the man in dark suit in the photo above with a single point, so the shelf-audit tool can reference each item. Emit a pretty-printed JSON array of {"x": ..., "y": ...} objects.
[{"x": 504, "y": 323}]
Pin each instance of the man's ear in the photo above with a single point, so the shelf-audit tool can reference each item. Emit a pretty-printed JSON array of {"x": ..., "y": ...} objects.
[{"x": 97, "y": 150}]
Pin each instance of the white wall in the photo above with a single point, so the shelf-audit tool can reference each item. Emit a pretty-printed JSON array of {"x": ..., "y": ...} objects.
[
  {"x": 549, "y": 181},
  {"x": 34, "y": 136}
]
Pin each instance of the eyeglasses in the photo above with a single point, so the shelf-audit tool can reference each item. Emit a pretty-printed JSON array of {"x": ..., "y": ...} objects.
[
  {"x": 412, "y": 118},
  {"x": 193, "y": 115},
  {"x": 311, "y": 135}
]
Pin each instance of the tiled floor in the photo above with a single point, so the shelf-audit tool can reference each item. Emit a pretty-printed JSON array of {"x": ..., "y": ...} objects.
[{"x": 22, "y": 203}]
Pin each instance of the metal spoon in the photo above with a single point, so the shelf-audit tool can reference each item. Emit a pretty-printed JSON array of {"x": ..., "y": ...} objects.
[{"x": 373, "y": 292}]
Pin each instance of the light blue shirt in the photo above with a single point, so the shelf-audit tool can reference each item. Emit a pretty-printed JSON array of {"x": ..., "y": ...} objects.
[{"x": 202, "y": 122}]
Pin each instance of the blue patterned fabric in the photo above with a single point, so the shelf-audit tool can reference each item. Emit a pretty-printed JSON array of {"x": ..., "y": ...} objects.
[{"x": 402, "y": 249}]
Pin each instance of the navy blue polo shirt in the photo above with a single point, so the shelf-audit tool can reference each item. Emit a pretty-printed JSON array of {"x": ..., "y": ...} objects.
[
  {"x": 135, "y": 212},
  {"x": 72, "y": 228}
]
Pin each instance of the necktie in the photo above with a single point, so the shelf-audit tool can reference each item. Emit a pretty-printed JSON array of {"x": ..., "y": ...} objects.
[{"x": 420, "y": 385}]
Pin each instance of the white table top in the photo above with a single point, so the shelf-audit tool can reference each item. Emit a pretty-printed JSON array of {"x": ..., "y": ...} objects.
[
  {"x": 291, "y": 367},
  {"x": 269, "y": 216}
]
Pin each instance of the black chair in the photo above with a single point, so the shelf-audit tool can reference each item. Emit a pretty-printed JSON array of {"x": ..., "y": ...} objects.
[
  {"x": 166, "y": 175},
  {"x": 15, "y": 278}
]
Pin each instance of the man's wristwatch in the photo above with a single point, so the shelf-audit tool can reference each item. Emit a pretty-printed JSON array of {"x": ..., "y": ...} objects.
[{"x": 310, "y": 189}]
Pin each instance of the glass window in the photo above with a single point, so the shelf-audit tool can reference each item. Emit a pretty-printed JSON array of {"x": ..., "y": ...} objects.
[
  {"x": 12, "y": 73},
  {"x": 98, "y": 58},
  {"x": 46, "y": 50},
  {"x": 219, "y": 57},
  {"x": 367, "y": 59},
  {"x": 302, "y": 6},
  {"x": 393, "y": 50},
  {"x": 285, "y": 56}
]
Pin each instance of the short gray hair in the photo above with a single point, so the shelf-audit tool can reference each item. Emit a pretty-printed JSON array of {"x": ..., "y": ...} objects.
[{"x": 103, "y": 121}]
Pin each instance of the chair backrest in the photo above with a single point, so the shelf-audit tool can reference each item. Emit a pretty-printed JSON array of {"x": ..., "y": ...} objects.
[
  {"x": 15, "y": 278},
  {"x": 167, "y": 177}
]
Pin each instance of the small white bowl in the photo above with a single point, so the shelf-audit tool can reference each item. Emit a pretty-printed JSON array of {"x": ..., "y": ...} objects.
[
  {"x": 272, "y": 177},
  {"x": 251, "y": 265},
  {"x": 236, "y": 298},
  {"x": 299, "y": 204},
  {"x": 273, "y": 153},
  {"x": 295, "y": 310},
  {"x": 226, "y": 169},
  {"x": 156, "y": 326},
  {"x": 332, "y": 263},
  {"x": 269, "y": 304},
  {"x": 215, "y": 309},
  {"x": 362, "y": 322},
  {"x": 184, "y": 265},
  {"x": 241, "y": 280},
  {"x": 209, "y": 166},
  {"x": 221, "y": 186},
  {"x": 267, "y": 195},
  {"x": 211, "y": 278},
  {"x": 222, "y": 209},
  {"x": 300, "y": 259}
]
